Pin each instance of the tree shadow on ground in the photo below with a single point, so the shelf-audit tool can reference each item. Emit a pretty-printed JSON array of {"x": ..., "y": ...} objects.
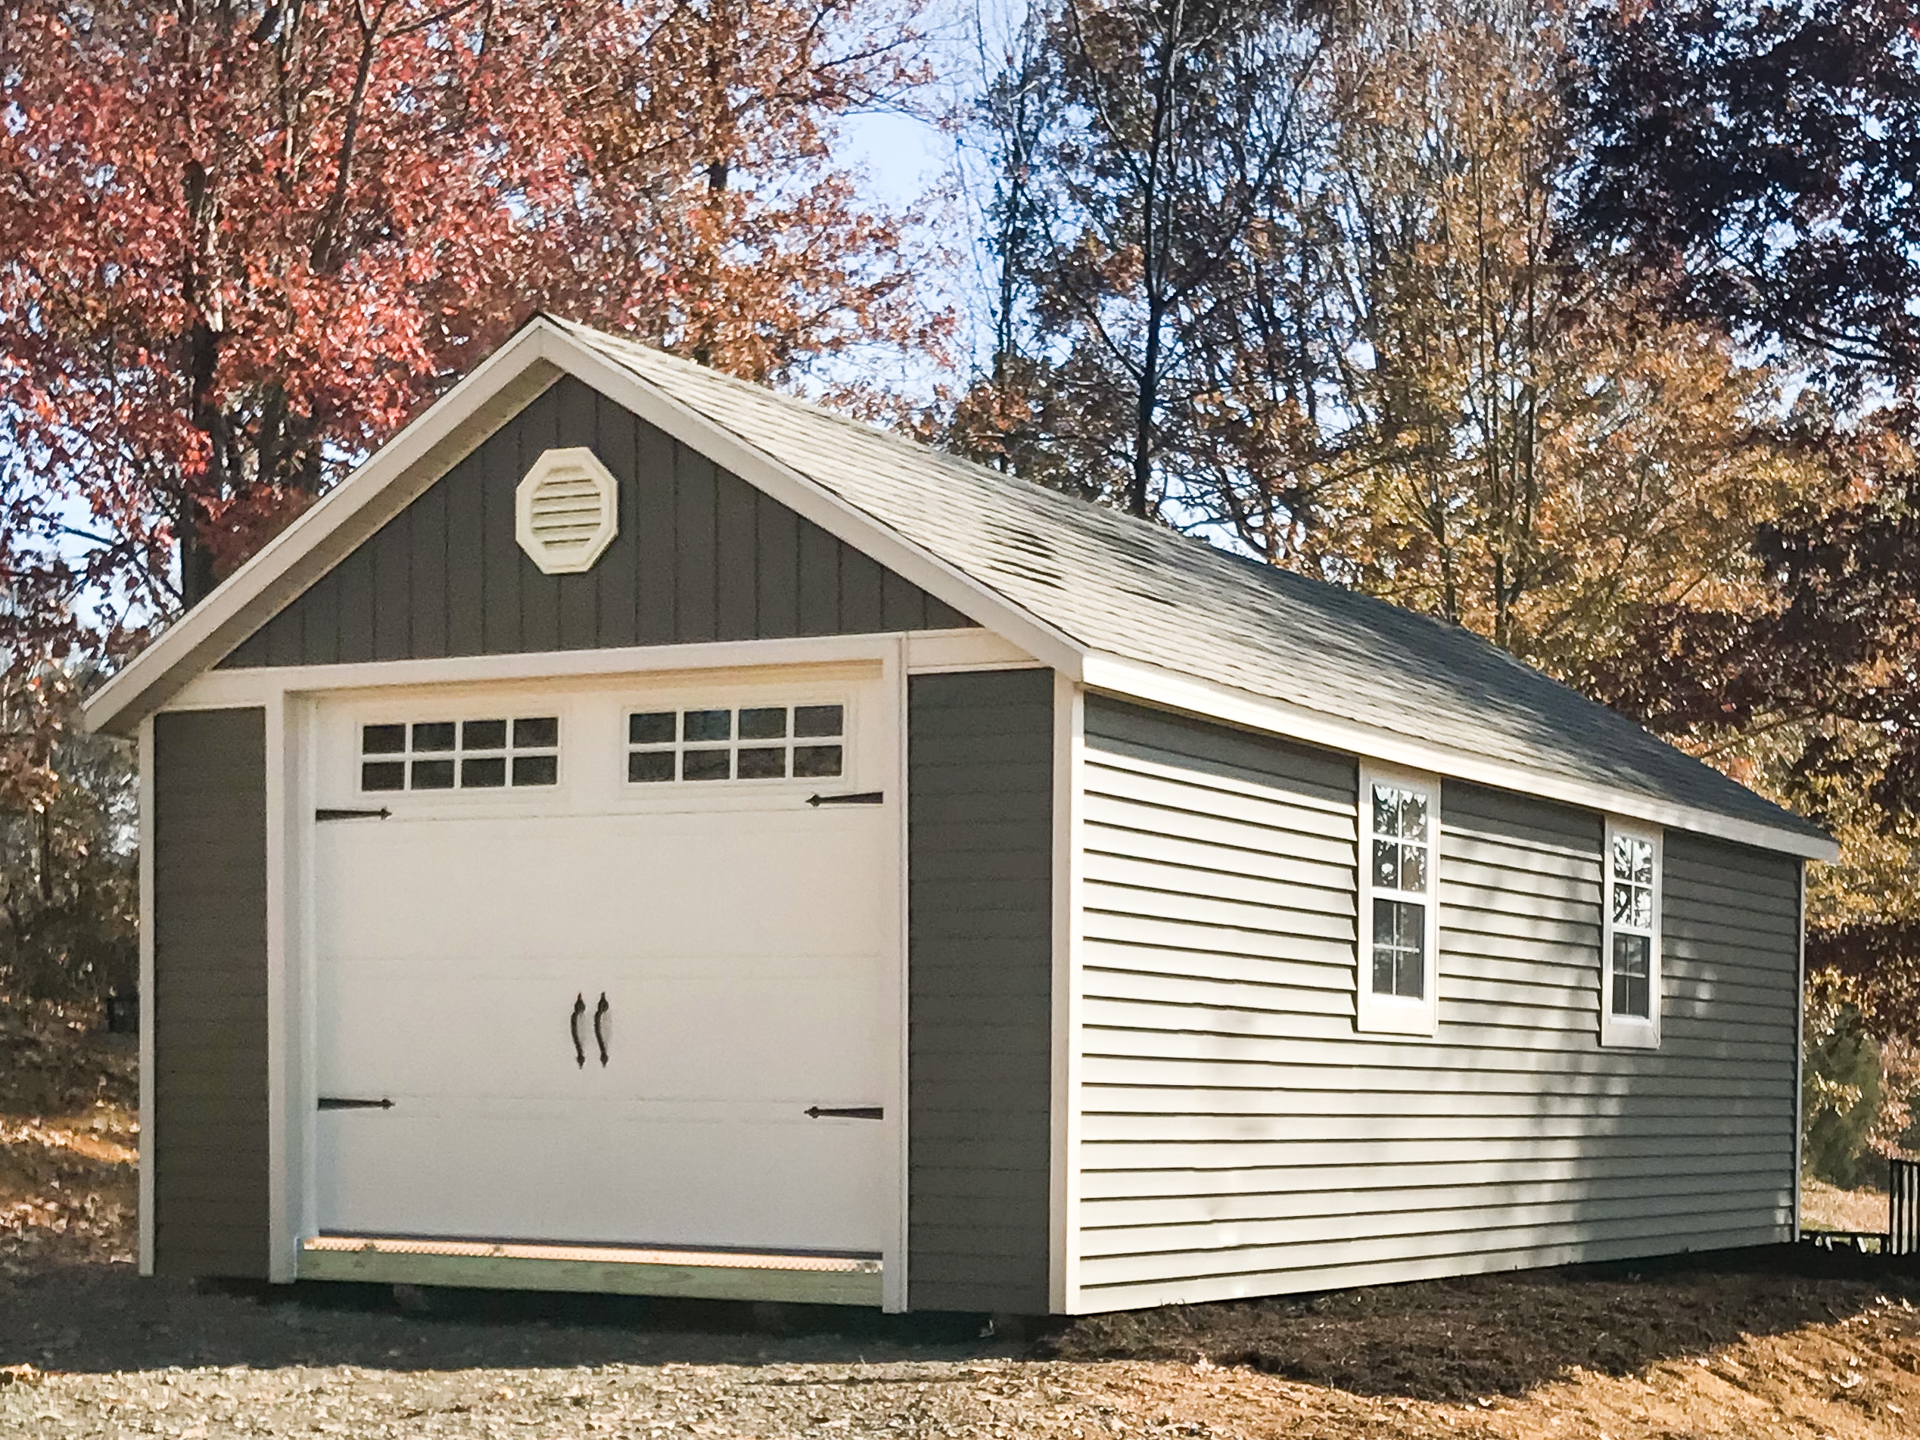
[
  {"x": 1505, "y": 1334},
  {"x": 1435, "y": 1340},
  {"x": 100, "y": 1318}
]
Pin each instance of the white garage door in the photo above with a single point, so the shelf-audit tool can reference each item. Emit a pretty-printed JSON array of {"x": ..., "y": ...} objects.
[{"x": 612, "y": 970}]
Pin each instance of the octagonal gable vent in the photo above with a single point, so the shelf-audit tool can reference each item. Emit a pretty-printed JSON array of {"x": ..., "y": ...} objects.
[{"x": 566, "y": 511}]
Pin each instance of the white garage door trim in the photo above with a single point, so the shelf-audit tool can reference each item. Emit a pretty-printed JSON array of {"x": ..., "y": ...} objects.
[{"x": 292, "y": 786}]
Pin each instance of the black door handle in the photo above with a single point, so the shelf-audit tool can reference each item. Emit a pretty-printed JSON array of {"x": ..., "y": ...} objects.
[
  {"x": 573, "y": 1026},
  {"x": 599, "y": 1034},
  {"x": 864, "y": 797},
  {"x": 844, "y": 1112}
]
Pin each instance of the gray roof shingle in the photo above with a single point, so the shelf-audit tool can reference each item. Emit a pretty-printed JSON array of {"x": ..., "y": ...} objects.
[{"x": 1133, "y": 589}]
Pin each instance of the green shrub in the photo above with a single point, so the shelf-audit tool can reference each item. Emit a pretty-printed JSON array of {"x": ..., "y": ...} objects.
[{"x": 1841, "y": 1096}]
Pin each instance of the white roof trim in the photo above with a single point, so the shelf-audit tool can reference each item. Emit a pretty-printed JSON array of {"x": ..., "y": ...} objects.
[
  {"x": 438, "y": 439},
  {"x": 1155, "y": 685},
  {"x": 541, "y": 352}
]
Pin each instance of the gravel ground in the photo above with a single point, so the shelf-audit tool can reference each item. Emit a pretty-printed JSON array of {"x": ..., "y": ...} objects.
[
  {"x": 94, "y": 1350},
  {"x": 1766, "y": 1345}
]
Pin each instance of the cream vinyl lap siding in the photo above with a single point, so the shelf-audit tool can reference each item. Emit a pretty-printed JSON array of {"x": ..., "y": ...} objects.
[{"x": 1240, "y": 1138}]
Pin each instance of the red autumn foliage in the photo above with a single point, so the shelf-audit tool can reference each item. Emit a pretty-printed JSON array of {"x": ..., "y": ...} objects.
[{"x": 242, "y": 241}]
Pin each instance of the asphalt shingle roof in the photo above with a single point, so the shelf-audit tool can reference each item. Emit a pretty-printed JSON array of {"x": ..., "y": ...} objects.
[{"x": 1139, "y": 591}]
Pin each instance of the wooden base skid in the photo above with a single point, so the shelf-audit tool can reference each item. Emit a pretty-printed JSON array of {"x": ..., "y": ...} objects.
[{"x": 702, "y": 1275}]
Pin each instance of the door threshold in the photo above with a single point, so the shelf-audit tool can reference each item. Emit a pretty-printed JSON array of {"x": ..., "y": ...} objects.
[{"x": 596, "y": 1269}]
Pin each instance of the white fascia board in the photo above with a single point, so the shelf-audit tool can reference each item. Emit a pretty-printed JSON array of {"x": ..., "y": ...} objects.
[
  {"x": 1155, "y": 685},
  {"x": 252, "y": 685},
  {"x": 812, "y": 501},
  {"x": 430, "y": 445},
  {"x": 445, "y": 434}
]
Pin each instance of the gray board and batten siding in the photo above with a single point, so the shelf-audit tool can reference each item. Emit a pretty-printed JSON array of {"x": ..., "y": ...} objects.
[
  {"x": 980, "y": 987},
  {"x": 701, "y": 556},
  {"x": 1241, "y": 1138},
  {"x": 208, "y": 1010}
]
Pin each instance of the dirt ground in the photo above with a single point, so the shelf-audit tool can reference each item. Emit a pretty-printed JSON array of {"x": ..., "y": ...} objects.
[{"x": 1767, "y": 1344}]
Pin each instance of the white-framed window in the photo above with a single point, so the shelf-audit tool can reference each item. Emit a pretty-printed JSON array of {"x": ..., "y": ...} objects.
[
  {"x": 743, "y": 742},
  {"x": 1399, "y": 900},
  {"x": 487, "y": 754},
  {"x": 1630, "y": 938}
]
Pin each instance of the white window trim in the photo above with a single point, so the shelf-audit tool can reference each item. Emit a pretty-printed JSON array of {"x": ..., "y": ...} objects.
[
  {"x": 735, "y": 782},
  {"x": 1630, "y": 1032},
  {"x": 1395, "y": 1014},
  {"x": 457, "y": 793}
]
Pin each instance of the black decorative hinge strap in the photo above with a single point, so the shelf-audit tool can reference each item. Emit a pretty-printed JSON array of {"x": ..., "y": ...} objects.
[
  {"x": 865, "y": 797},
  {"x": 380, "y": 814},
  {"x": 341, "y": 1102},
  {"x": 850, "y": 1112}
]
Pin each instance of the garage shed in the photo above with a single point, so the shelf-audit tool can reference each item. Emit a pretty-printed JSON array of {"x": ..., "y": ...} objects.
[{"x": 643, "y": 833}]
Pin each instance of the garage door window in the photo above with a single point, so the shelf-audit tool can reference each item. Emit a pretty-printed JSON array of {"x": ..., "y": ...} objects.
[
  {"x": 460, "y": 754},
  {"x": 748, "y": 742}
]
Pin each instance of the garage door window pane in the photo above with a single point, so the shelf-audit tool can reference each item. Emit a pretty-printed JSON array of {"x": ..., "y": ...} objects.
[
  {"x": 816, "y": 760},
  {"x": 766, "y": 763},
  {"x": 764, "y": 722},
  {"x": 536, "y": 769},
  {"x": 706, "y": 765},
  {"x": 484, "y": 735},
  {"x": 383, "y": 740},
  {"x": 437, "y": 736},
  {"x": 383, "y": 775},
  {"x": 707, "y": 725},
  {"x": 656, "y": 727},
  {"x": 817, "y": 721},
  {"x": 543, "y": 731},
  {"x": 485, "y": 772},
  {"x": 648, "y": 767},
  {"x": 432, "y": 775}
]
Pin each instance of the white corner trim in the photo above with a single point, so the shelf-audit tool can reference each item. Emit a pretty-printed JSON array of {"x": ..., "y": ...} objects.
[
  {"x": 1800, "y": 1055},
  {"x": 1376, "y": 1014},
  {"x": 1064, "y": 1188},
  {"x": 282, "y": 1245},
  {"x": 1630, "y": 1032},
  {"x": 566, "y": 510},
  {"x": 145, "y": 761},
  {"x": 894, "y": 1276},
  {"x": 1156, "y": 685}
]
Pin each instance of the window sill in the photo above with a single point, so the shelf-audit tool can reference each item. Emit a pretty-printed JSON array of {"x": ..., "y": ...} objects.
[
  {"x": 1619, "y": 1032},
  {"x": 1390, "y": 1015}
]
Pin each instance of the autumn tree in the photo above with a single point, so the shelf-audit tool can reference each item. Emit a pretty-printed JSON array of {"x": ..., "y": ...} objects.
[
  {"x": 1527, "y": 448},
  {"x": 245, "y": 241},
  {"x": 1753, "y": 163},
  {"x": 1113, "y": 217},
  {"x": 241, "y": 241},
  {"x": 1379, "y": 360}
]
